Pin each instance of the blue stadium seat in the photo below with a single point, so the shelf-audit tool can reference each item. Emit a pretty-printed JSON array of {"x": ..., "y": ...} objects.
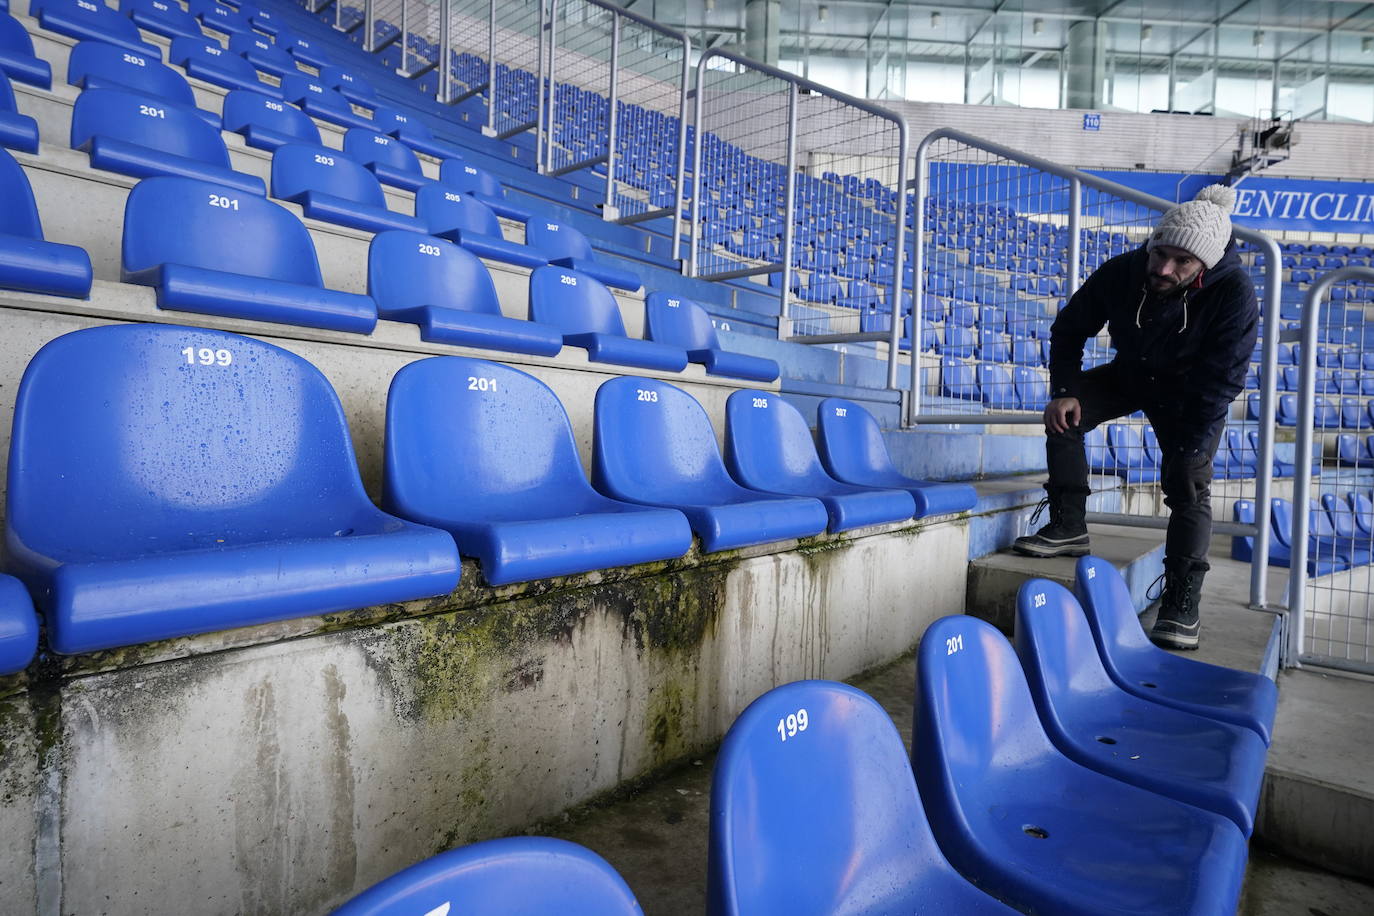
[
  {"x": 1323, "y": 557},
  {"x": 449, "y": 294},
  {"x": 320, "y": 101},
  {"x": 1354, "y": 413},
  {"x": 486, "y": 452},
  {"x": 1130, "y": 458},
  {"x": 27, "y": 262},
  {"x": 166, "y": 481},
  {"x": 769, "y": 448},
  {"x": 349, "y": 85},
  {"x": 82, "y": 19},
  {"x": 162, "y": 17},
  {"x": 209, "y": 249},
  {"x": 219, "y": 17},
  {"x": 566, "y": 247},
  {"x": 682, "y": 323},
  {"x": 469, "y": 179},
  {"x": 1034, "y": 828},
  {"x": 1342, "y": 517},
  {"x": 504, "y": 877},
  {"x": 860, "y": 843},
  {"x": 97, "y": 65},
  {"x": 467, "y": 221},
  {"x": 206, "y": 60},
  {"x": 413, "y": 132},
  {"x": 18, "y": 626},
  {"x": 1032, "y": 388},
  {"x": 960, "y": 342},
  {"x": 1325, "y": 414},
  {"x": 1352, "y": 451},
  {"x": 17, "y": 131},
  {"x": 304, "y": 50},
  {"x": 267, "y": 123},
  {"x": 333, "y": 188},
  {"x": 653, "y": 445},
  {"x": 143, "y": 136},
  {"x": 1287, "y": 414},
  {"x": 263, "y": 55},
  {"x": 17, "y": 59},
  {"x": 589, "y": 317},
  {"x": 853, "y": 451},
  {"x": 1214, "y": 765},
  {"x": 957, "y": 380},
  {"x": 996, "y": 387},
  {"x": 1140, "y": 667},
  {"x": 386, "y": 157}
]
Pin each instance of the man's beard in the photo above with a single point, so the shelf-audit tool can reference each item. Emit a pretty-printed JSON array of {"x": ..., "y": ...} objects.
[{"x": 1169, "y": 290}]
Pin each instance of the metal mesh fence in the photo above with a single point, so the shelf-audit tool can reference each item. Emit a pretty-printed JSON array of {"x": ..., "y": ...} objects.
[
  {"x": 797, "y": 187},
  {"x": 519, "y": 54},
  {"x": 1326, "y": 396},
  {"x": 469, "y": 42},
  {"x": 580, "y": 81},
  {"x": 1006, "y": 240},
  {"x": 386, "y": 31}
]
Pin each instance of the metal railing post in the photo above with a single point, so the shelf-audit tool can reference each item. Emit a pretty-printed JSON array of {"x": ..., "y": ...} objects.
[
  {"x": 1269, "y": 355},
  {"x": 789, "y": 218},
  {"x": 918, "y": 275},
  {"x": 543, "y": 129},
  {"x": 899, "y": 249},
  {"x": 404, "y": 69},
  {"x": 1075, "y": 240},
  {"x": 609, "y": 210},
  {"x": 694, "y": 265},
  {"x": 369, "y": 26},
  {"x": 445, "y": 39},
  {"x": 681, "y": 177},
  {"x": 489, "y": 129}
]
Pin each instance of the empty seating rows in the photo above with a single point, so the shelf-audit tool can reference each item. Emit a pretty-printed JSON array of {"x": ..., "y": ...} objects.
[
  {"x": 239, "y": 496},
  {"x": 1340, "y": 532}
]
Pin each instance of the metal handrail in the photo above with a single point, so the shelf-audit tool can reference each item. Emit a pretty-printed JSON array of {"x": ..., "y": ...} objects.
[
  {"x": 800, "y": 84},
  {"x": 1302, "y": 477},
  {"x": 1077, "y": 178}
]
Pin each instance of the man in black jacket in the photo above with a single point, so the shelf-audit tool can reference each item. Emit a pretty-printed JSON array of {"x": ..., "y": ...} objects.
[{"x": 1182, "y": 315}]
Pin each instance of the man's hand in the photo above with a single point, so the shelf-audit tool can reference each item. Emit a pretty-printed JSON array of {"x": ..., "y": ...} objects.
[{"x": 1062, "y": 414}]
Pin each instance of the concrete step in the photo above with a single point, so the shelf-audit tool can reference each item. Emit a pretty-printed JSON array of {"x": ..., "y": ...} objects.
[
  {"x": 972, "y": 454},
  {"x": 1317, "y": 804},
  {"x": 993, "y": 580}
]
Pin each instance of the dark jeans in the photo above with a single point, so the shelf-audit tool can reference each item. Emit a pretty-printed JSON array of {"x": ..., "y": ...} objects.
[{"x": 1187, "y": 480}]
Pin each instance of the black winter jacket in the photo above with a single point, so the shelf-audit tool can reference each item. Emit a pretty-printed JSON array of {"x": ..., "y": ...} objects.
[{"x": 1186, "y": 353}]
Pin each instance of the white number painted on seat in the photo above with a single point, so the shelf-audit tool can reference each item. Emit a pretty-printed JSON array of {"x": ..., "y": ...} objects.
[
  {"x": 792, "y": 723},
  {"x": 1092, "y": 573},
  {"x": 324, "y": 160},
  {"x": 676, "y": 303},
  {"x": 402, "y": 119},
  {"x": 302, "y": 43},
  {"x": 567, "y": 280},
  {"x": 1038, "y": 599},
  {"x": 345, "y": 77},
  {"x": 552, "y": 227},
  {"x": 449, "y": 195},
  {"x": 273, "y": 106},
  {"x": 725, "y": 325},
  {"x": 469, "y": 170},
  {"x": 644, "y": 394},
  {"x": 262, "y": 45},
  {"x": 761, "y": 402},
  {"x": 954, "y": 644},
  {"x": 315, "y": 88},
  {"x": 207, "y": 357},
  {"x": 382, "y": 141},
  {"x": 135, "y": 60},
  {"x": 841, "y": 411},
  {"x": 160, "y": 7},
  {"x": 88, "y": 6},
  {"x": 224, "y": 203},
  {"x": 476, "y": 383},
  {"x": 213, "y": 51},
  {"x": 151, "y": 112},
  {"x": 432, "y": 250}
]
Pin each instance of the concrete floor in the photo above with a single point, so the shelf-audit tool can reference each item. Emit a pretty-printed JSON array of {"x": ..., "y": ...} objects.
[{"x": 655, "y": 834}]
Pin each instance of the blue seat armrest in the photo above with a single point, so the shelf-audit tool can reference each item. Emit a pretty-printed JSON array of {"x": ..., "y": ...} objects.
[
  {"x": 501, "y": 208},
  {"x": 33, "y": 71},
  {"x": 142, "y": 162},
  {"x": 18, "y": 131},
  {"x": 429, "y": 146},
  {"x": 627, "y": 351},
  {"x": 331, "y": 209},
  {"x": 485, "y": 246},
  {"x": 942, "y": 498},
  {"x": 213, "y": 292},
  {"x": 18, "y": 627},
  {"x": 735, "y": 365},
  {"x": 477, "y": 329},
  {"x": 36, "y": 266},
  {"x": 265, "y": 138},
  {"x": 346, "y": 117},
  {"x": 227, "y": 80}
]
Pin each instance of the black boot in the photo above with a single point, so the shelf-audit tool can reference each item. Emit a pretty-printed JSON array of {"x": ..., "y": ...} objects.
[
  {"x": 1067, "y": 533},
  {"x": 1177, "y": 626}
]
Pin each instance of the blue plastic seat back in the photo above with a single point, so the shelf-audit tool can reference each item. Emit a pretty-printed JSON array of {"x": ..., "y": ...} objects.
[
  {"x": 369, "y": 146},
  {"x": 90, "y": 19},
  {"x": 469, "y": 179},
  {"x": 994, "y": 382},
  {"x": 221, "y": 18},
  {"x": 1103, "y": 594},
  {"x": 1067, "y": 669},
  {"x": 147, "y": 122},
  {"x": 655, "y": 443},
  {"x": 1363, "y": 509},
  {"x": 408, "y": 270},
  {"x": 573, "y": 302},
  {"x": 1281, "y": 521},
  {"x": 349, "y": 83},
  {"x": 207, "y": 59},
  {"x": 138, "y": 439},
  {"x": 298, "y": 169},
  {"x": 263, "y": 54},
  {"x": 1341, "y": 516},
  {"x": 19, "y": 216},
  {"x": 302, "y": 89},
  {"x": 678, "y": 322},
  {"x": 198, "y": 224},
  {"x": 244, "y": 108},
  {"x": 767, "y": 439},
  {"x": 859, "y": 844},
  {"x": 1126, "y": 445},
  {"x": 18, "y": 626},
  {"x": 513, "y": 876},
  {"x": 390, "y": 121},
  {"x": 97, "y": 65},
  {"x": 163, "y": 17},
  {"x": 1032, "y": 390},
  {"x": 850, "y": 441},
  {"x": 471, "y": 439},
  {"x": 557, "y": 240},
  {"x": 443, "y": 209}
]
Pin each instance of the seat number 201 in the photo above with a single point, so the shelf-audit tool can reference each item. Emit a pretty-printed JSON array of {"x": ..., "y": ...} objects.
[
  {"x": 792, "y": 723},
  {"x": 954, "y": 644}
]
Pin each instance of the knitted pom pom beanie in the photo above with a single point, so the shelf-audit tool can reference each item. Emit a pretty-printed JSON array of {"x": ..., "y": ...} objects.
[{"x": 1201, "y": 226}]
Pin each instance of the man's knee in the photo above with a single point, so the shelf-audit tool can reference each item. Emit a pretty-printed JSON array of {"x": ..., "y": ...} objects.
[{"x": 1187, "y": 480}]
